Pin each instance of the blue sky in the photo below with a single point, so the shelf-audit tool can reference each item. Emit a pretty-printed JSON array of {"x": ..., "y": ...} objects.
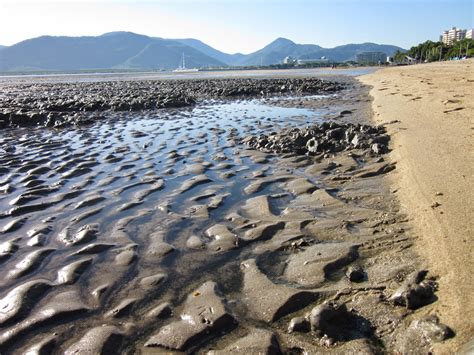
[{"x": 240, "y": 25}]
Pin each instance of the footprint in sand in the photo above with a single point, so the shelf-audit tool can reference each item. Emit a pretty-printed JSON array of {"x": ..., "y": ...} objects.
[
  {"x": 454, "y": 109},
  {"x": 451, "y": 101}
]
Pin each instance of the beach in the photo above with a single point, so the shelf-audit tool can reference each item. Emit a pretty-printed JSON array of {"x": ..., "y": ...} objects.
[
  {"x": 428, "y": 110},
  {"x": 260, "y": 213}
]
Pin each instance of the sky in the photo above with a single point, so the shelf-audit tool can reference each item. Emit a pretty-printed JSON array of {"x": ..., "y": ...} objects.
[{"x": 240, "y": 25}]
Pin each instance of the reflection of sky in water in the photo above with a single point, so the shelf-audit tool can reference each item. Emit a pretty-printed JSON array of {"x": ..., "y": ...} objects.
[
  {"x": 205, "y": 117},
  {"x": 200, "y": 131}
]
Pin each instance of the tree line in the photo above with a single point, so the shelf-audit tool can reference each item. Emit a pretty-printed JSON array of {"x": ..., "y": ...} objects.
[{"x": 430, "y": 51}]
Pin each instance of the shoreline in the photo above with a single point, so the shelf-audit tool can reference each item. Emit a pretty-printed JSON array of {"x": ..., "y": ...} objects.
[
  {"x": 158, "y": 76},
  {"x": 431, "y": 145}
]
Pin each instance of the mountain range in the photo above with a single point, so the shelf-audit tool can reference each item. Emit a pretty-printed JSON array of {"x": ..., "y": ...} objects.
[{"x": 127, "y": 50}]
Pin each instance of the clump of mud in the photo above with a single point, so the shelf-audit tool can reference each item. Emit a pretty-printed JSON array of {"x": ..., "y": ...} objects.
[{"x": 328, "y": 137}]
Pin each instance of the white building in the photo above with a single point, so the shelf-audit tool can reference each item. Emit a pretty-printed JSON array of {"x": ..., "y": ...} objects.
[
  {"x": 454, "y": 34},
  {"x": 289, "y": 60},
  {"x": 469, "y": 33}
]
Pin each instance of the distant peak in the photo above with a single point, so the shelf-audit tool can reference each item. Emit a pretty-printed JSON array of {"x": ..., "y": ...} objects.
[
  {"x": 283, "y": 40},
  {"x": 115, "y": 33}
]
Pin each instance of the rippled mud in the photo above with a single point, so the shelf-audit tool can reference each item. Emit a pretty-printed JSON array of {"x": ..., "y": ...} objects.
[{"x": 159, "y": 230}]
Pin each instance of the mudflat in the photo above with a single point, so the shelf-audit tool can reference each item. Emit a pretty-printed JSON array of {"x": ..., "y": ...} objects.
[
  {"x": 250, "y": 216},
  {"x": 431, "y": 110}
]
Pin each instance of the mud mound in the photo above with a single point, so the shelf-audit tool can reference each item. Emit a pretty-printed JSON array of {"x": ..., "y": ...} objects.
[{"x": 329, "y": 137}]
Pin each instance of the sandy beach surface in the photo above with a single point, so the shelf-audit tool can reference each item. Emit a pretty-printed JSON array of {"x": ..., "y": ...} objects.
[{"x": 433, "y": 147}]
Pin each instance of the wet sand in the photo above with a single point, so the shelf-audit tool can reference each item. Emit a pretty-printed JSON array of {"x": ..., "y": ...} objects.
[
  {"x": 432, "y": 145},
  {"x": 161, "y": 229}
]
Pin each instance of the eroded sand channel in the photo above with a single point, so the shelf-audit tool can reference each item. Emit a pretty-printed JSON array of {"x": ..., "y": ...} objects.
[{"x": 160, "y": 230}]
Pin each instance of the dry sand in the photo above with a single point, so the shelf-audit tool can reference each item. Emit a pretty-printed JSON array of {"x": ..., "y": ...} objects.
[{"x": 433, "y": 147}]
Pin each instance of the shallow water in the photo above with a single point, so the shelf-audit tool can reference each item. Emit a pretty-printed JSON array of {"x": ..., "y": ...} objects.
[{"x": 141, "y": 144}]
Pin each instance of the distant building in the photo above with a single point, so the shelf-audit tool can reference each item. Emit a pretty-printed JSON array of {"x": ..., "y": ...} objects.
[
  {"x": 408, "y": 60},
  {"x": 371, "y": 57},
  {"x": 322, "y": 60},
  {"x": 289, "y": 60},
  {"x": 469, "y": 34},
  {"x": 454, "y": 34}
]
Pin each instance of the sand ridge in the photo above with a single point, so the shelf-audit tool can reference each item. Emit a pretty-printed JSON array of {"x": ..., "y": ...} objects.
[{"x": 432, "y": 144}]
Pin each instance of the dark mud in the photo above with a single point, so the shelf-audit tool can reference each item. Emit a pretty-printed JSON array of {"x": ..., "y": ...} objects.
[
  {"x": 59, "y": 104},
  {"x": 325, "y": 138},
  {"x": 160, "y": 230}
]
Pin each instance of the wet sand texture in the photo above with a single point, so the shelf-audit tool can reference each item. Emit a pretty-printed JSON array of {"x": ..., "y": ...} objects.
[
  {"x": 160, "y": 230},
  {"x": 432, "y": 110}
]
